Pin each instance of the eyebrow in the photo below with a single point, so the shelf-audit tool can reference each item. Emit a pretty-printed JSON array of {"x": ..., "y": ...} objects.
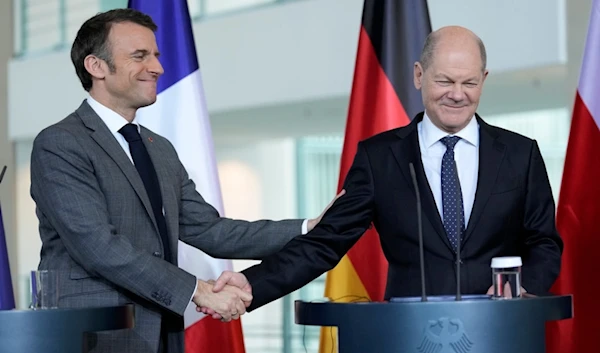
[
  {"x": 144, "y": 52},
  {"x": 446, "y": 77}
]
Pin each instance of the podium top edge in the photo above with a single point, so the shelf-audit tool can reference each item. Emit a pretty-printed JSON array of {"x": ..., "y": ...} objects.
[
  {"x": 437, "y": 300},
  {"x": 87, "y": 310},
  {"x": 545, "y": 308}
]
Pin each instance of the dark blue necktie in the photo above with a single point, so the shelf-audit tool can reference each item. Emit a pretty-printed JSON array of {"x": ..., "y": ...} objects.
[
  {"x": 454, "y": 215},
  {"x": 145, "y": 168}
]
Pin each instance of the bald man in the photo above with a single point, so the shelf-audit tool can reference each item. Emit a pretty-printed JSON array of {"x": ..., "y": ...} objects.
[{"x": 479, "y": 183}]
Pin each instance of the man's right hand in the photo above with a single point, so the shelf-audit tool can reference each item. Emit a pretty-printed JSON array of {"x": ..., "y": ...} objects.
[
  {"x": 226, "y": 279},
  {"x": 229, "y": 303}
]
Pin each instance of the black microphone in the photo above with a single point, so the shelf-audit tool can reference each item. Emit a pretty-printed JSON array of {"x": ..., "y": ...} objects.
[
  {"x": 420, "y": 227},
  {"x": 2, "y": 174},
  {"x": 459, "y": 226}
]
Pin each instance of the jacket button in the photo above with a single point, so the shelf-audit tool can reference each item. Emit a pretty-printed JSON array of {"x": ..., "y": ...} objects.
[{"x": 156, "y": 253}]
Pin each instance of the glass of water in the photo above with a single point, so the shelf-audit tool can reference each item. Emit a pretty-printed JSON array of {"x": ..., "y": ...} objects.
[
  {"x": 44, "y": 289},
  {"x": 506, "y": 277}
]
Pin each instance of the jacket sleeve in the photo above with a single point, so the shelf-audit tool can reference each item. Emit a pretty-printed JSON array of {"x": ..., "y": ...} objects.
[
  {"x": 305, "y": 258},
  {"x": 201, "y": 227}
]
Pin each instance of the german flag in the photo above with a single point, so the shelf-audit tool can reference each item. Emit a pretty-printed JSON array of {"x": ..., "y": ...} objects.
[{"x": 383, "y": 97}]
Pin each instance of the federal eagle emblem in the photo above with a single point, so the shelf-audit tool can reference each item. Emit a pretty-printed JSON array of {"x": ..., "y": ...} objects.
[{"x": 445, "y": 336}]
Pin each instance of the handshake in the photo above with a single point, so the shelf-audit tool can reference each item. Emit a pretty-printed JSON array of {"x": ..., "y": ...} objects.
[{"x": 226, "y": 298}]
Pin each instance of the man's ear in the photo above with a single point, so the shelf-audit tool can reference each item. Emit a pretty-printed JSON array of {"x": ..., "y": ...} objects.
[
  {"x": 418, "y": 75},
  {"x": 485, "y": 74},
  {"x": 95, "y": 66}
]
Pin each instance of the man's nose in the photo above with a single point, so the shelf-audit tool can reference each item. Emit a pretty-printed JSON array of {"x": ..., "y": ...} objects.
[
  {"x": 155, "y": 67},
  {"x": 457, "y": 92}
]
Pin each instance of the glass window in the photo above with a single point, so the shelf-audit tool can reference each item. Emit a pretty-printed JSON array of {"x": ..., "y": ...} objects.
[
  {"x": 49, "y": 25},
  {"x": 318, "y": 174},
  {"x": 42, "y": 26}
]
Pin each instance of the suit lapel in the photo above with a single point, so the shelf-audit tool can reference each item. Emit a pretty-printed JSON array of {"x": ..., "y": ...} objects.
[
  {"x": 491, "y": 153},
  {"x": 406, "y": 150},
  {"x": 164, "y": 180},
  {"x": 105, "y": 139}
]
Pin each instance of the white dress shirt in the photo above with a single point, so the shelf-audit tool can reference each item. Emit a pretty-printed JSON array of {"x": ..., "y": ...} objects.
[
  {"x": 466, "y": 155},
  {"x": 114, "y": 121}
]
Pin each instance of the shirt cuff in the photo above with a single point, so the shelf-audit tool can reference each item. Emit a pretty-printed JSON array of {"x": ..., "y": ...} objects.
[
  {"x": 305, "y": 227},
  {"x": 194, "y": 292}
]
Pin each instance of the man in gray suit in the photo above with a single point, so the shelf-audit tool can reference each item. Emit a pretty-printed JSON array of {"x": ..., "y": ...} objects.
[{"x": 113, "y": 199}]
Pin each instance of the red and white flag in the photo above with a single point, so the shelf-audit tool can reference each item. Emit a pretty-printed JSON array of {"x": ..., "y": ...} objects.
[{"x": 579, "y": 208}]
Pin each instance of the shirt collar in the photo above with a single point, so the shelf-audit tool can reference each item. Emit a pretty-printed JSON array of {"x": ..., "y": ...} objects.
[
  {"x": 112, "y": 119},
  {"x": 432, "y": 134}
]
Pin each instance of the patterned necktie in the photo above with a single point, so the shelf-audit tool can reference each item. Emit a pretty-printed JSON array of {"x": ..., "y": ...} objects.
[
  {"x": 145, "y": 168},
  {"x": 452, "y": 203}
]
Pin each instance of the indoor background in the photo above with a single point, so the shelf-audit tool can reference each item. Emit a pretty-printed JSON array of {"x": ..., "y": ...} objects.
[{"x": 277, "y": 76}]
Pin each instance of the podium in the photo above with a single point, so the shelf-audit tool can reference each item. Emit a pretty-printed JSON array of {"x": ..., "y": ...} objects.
[
  {"x": 58, "y": 330},
  {"x": 439, "y": 326}
]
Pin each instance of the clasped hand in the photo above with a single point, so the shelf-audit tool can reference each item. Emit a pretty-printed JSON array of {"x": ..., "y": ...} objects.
[{"x": 226, "y": 298}]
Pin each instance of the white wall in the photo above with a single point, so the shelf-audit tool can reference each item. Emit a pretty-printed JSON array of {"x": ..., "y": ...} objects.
[
  {"x": 518, "y": 34},
  {"x": 295, "y": 52}
]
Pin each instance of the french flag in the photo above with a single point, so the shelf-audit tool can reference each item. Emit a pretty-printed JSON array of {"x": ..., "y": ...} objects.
[
  {"x": 579, "y": 208},
  {"x": 180, "y": 115}
]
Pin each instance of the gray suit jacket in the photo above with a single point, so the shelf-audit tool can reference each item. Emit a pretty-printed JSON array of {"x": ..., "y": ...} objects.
[{"x": 98, "y": 230}]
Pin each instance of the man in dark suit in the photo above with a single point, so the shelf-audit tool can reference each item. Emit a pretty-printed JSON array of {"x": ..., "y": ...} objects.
[
  {"x": 498, "y": 200},
  {"x": 113, "y": 199}
]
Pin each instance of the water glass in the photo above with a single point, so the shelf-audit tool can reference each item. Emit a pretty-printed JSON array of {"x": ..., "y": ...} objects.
[
  {"x": 506, "y": 275},
  {"x": 44, "y": 289}
]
